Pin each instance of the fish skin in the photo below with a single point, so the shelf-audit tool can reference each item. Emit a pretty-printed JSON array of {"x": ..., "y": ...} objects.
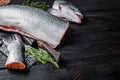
[
  {"x": 64, "y": 9},
  {"x": 32, "y": 22},
  {"x": 16, "y": 50}
]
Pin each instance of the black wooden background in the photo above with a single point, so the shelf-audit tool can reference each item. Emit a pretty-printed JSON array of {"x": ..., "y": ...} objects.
[{"x": 91, "y": 50}]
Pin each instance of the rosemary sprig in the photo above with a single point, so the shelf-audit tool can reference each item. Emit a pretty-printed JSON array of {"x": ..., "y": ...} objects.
[{"x": 41, "y": 56}]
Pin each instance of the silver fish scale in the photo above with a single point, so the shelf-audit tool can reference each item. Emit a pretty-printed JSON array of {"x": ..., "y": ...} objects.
[
  {"x": 3, "y": 49},
  {"x": 30, "y": 60},
  {"x": 35, "y": 22}
]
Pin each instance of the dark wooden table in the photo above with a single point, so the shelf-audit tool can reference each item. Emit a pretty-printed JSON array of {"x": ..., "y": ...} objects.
[{"x": 91, "y": 50}]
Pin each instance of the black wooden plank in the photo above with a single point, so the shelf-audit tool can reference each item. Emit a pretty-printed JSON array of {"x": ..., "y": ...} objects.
[{"x": 91, "y": 50}]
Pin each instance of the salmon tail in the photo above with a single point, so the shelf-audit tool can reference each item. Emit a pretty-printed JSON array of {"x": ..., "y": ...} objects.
[
  {"x": 12, "y": 38},
  {"x": 52, "y": 51},
  {"x": 16, "y": 51}
]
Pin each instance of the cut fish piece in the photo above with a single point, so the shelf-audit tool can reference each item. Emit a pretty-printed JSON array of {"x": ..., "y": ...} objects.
[
  {"x": 16, "y": 50},
  {"x": 33, "y": 22},
  {"x": 4, "y": 2}
]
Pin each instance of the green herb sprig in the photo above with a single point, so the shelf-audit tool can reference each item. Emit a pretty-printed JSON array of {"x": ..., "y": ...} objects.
[
  {"x": 41, "y": 56},
  {"x": 41, "y": 5}
]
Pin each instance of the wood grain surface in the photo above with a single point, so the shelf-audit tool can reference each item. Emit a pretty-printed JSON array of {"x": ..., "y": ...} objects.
[{"x": 90, "y": 51}]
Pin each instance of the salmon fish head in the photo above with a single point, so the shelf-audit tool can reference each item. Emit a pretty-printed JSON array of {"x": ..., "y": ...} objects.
[{"x": 66, "y": 11}]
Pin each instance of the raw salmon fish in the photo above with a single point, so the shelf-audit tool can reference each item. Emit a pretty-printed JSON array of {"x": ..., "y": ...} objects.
[
  {"x": 16, "y": 50},
  {"x": 66, "y": 11},
  {"x": 32, "y": 22}
]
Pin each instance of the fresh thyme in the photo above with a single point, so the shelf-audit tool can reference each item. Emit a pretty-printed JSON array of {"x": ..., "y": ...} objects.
[{"x": 41, "y": 5}]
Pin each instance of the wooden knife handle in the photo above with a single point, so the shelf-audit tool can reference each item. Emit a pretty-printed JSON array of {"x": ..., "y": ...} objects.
[{"x": 52, "y": 51}]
